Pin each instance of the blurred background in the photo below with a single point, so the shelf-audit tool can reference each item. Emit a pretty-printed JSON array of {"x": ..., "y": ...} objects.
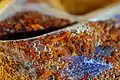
[
  {"x": 77, "y": 6},
  {"x": 72, "y": 9}
]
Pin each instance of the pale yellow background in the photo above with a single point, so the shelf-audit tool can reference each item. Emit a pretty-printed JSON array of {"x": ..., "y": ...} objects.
[{"x": 78, "y": 6}]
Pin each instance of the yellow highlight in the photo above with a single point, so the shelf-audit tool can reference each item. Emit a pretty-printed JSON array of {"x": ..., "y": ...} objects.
[{"x": 3, "y": 3}]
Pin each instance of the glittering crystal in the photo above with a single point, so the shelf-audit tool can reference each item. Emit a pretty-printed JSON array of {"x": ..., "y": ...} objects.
[{"x": 80, "y": 66}]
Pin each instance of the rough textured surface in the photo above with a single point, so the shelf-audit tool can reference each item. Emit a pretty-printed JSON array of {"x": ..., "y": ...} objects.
[
  {"x": 43, "y": 58},
  {"x": 30, "y": 21},
  {"x": 81, "y": 66},
  {"x": 104, "y": 50}
]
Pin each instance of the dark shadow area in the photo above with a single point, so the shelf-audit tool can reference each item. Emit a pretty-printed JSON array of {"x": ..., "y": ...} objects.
[{"x": 24, "y": 35}]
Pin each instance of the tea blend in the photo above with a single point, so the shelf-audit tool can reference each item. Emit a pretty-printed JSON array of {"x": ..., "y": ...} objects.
[
  {"x": 29, "y": 24},
  {"x": 89, "y": 51}
]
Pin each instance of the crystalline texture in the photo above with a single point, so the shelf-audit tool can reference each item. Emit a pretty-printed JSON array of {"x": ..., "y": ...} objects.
[
  {"x": 81, "y": 66},
  {"x": 104, "y": 50}
]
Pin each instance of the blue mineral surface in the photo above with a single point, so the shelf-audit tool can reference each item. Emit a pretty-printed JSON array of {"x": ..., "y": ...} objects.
[
  {"x": 80, "y": 66},
  {"x": 117, "y": 16},
  {"x": 104, "y": 50}
]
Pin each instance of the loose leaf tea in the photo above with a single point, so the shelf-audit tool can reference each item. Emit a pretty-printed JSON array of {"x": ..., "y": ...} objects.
[{"x": 28, "y": 24}]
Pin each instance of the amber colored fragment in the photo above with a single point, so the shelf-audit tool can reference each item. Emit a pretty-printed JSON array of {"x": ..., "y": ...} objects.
[
  {"x": 36, "y": 27},
  {"x": 18, "y": 27},
  {"x": 47, "y": 74},
  {"x": 112, "y": 60},
  {"x": 117, "y": 67},
  {"x": 65, "y": 34}
]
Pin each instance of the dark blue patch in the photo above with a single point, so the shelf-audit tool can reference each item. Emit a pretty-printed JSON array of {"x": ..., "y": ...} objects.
[
  {"x": 117, "y": 16},
  {"x": 104, "y": 50},
  {"x": 80, "y": 66}
]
